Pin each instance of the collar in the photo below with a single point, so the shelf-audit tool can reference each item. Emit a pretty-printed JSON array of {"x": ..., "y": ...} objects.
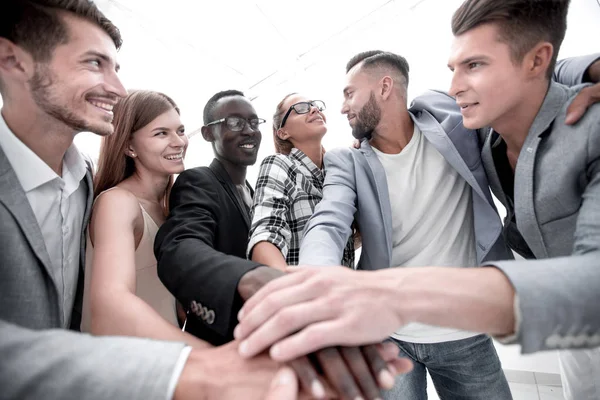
[
  {"x": 302, "y": 158},
  {"x": 32, "y": 172}
]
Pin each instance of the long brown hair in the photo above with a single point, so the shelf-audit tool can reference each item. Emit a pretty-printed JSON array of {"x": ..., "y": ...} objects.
[{"x": 131, "y": 114}]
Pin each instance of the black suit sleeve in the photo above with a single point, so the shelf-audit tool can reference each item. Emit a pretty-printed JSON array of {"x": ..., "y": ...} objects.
[{"x": 188, "y": 264}]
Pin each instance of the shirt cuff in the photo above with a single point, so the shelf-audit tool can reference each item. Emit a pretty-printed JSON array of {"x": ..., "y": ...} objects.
[
  {"x": 183, "y": 356},
  {"x": 512, "y": 338}
]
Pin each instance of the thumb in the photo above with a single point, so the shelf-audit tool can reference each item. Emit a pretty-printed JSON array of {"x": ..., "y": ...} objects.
[{"x": 284, "y": 385}]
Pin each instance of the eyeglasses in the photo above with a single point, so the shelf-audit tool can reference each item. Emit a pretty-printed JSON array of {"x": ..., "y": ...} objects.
[
  {"x": 238, "y": 124},
  {"x": 302, "y": 107}
]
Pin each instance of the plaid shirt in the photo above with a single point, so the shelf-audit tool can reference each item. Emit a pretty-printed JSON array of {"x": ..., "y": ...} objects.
[{"x": 287, "y": 191}]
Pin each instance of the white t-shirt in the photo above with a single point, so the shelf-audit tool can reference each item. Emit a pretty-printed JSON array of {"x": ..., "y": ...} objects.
[{"x": 432, "y": 220}]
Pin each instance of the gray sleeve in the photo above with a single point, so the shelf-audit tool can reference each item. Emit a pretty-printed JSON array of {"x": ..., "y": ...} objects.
[
  {"x": 329, "y": 228},
  {"x": 571, "y": 71},
  {"x": 64, "y": 365},
  {"x": 559, "y": 301},
  {"x": 559, "y": 298}
]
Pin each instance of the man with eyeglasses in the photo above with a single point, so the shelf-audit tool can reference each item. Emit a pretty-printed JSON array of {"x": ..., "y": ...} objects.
[{"x": 201, "y": 250}]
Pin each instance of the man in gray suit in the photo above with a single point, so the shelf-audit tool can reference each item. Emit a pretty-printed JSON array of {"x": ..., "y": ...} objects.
[
  {"x": 555, "y": 203},
  {"x": 58, "y": 76}
]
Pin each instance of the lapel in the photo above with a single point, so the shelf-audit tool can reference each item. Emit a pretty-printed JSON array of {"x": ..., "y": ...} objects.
[
  {"x": 88, "y": 211},
  {"x": 383, "y": 196},
  {"x": 525, "y": 171},
  {"x": 217, "y": 168},
  {"x": 439, "y": 137},
  {"x": 15, "y": 200}
]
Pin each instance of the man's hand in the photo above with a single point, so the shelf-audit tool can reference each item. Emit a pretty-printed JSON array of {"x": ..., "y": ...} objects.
[
  {"x": 313, "y": 308},
  {"x": 578, "y": 107},
  {"x": 220, "y": 373},
  {"x": 586, "y": 96},
  {"x": 352, "y": 372}
]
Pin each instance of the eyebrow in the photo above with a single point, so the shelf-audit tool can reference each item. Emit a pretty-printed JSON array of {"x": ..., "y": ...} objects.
[
  {"x": 162, "y": 128},
  {"x": 103, "y": 57}
]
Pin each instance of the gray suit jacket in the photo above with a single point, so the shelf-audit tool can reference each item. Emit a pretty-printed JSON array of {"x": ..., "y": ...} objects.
[
  {"x": 64, "y": 365},
  {"x": 28, "y": 292},
  {"x": 557, "y": 209},
  {"x": 356, "y": 187},
  {"x": 59, "y": 364}
]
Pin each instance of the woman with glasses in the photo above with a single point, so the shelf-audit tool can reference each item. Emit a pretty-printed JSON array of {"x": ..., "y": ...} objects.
[
  {"x": 290, "y": 184},
  {"x": 123, "y": 294}
]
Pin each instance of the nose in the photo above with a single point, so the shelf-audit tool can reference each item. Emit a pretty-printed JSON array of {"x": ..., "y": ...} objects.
[
  {"x": 114, "y": 85},
  {"x": 456, "y": 85},
  {"x": 179, "y": 141},
  {"x": 345, "y": 108},
  {"x": 248, "y": 130}
]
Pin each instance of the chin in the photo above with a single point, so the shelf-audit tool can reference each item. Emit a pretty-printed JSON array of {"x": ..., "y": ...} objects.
[{"x": 105, "y": 129}]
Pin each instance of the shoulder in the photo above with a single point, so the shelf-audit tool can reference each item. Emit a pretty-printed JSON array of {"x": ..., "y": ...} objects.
[
  {"x": 197, "y": 173},
  {"x": 116, "y": 203},
  {"x": 276, "y": 165},
  {"x": 343, "y": 156}
]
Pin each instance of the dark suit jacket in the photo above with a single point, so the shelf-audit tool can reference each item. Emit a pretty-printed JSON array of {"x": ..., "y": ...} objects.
[{"x": 201, "y": 250}]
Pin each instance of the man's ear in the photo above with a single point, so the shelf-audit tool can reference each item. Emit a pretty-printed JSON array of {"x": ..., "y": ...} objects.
[
  {"x": 207, "y": 134},
  {"x": 537, "y": 60},
  {"x": 282, "y": 134},
  {"x": 386, "y": 86},
  {"x": 15, "y": 63}
]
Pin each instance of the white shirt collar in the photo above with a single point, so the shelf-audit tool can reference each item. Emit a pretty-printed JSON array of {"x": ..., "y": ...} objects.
[{"x": 31, "y": 170}]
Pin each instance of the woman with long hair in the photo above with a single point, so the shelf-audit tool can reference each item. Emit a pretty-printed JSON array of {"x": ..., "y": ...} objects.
[
  {"x": 290, "y": 184},
  {"x": 123, "y": 294}
]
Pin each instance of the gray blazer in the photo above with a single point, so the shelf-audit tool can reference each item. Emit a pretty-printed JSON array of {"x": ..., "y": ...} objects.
[
  {"x": 356, "y": 188},
  {"x": 557, "y": 209},
  {"x": 59, "y": 364},
  {"x": 28, "y": 292},
  {"x": 64, "y": 365}
]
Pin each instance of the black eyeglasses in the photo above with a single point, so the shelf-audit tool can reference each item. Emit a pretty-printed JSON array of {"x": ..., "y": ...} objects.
[
  {"x": 302, "y": 107},
  {"x": 238, "y": 124}
]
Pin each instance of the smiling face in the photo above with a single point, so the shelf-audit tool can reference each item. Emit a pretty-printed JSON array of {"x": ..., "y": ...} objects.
[
  {"x": 487, "y": 84},
  {"x": 360, "y": 104},
  {"x": 238, "y": 148},
  {"x": 301, "y": 128},
  {"x": 79, "y": 86},
  {"x": 160, "y": 146}
]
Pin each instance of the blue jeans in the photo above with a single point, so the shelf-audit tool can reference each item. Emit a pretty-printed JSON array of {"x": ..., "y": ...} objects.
[{"x": 461, "y": 369}]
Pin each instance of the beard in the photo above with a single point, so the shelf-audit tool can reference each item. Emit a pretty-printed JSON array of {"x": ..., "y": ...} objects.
[
  {"x": 367, "y": 119},
  {"x": 46, "y": 94}
]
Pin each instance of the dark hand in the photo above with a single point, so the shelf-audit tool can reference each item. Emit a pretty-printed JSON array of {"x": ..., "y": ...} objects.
[
  {"x": 252, "y": 281},
  {"x": 352, "y": 372}
]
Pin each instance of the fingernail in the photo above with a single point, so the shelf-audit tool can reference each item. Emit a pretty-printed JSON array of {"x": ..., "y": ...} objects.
[
  {"x": 358, "y": 398},
  {"x": 240, "y": 315},
  {"x": 386, "y": 379},
  {"x": 392, "y": 370},
  {"x": 237, "y": 331},
  {"x": 275, "y": 352},
  {"x": 284, "y": 378},
  {"x": 243, "y": 349},
  {"x": 317, "y": 389}
]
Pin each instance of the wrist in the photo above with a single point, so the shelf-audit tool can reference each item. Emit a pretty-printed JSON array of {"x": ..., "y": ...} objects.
[
  {"x": 593, "y": 72},
  {"x": 195, "y": 380},
  {"x": 253, "y": 280}
]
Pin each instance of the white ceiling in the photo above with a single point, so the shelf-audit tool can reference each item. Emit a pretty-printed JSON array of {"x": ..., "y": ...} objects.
[{"x": 190, "y": 49}]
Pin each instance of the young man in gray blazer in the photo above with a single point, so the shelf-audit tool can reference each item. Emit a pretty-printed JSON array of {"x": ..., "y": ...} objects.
[
  {"x": 58, "y": 77},
  {"x": 545, "y": 173}
]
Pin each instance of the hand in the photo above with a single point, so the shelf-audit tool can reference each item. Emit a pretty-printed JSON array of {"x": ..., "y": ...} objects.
[
  {"x": 586, "y": 97},
  {"x": 313, "y": 308},
  {"x": 220, "y": 373},
  {"x": 356, "y": 144},
  {"x": 351, "y": 372}
]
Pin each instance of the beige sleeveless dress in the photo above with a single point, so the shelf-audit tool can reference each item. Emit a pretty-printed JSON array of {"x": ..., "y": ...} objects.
[{"x": 148, "y": 286}]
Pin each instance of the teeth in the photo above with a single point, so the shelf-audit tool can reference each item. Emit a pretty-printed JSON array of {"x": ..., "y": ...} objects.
[
  {"x": 104, "y": 106},
  {"x": 247, "y": 146},
  {"x": 175, "y": 157}
]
